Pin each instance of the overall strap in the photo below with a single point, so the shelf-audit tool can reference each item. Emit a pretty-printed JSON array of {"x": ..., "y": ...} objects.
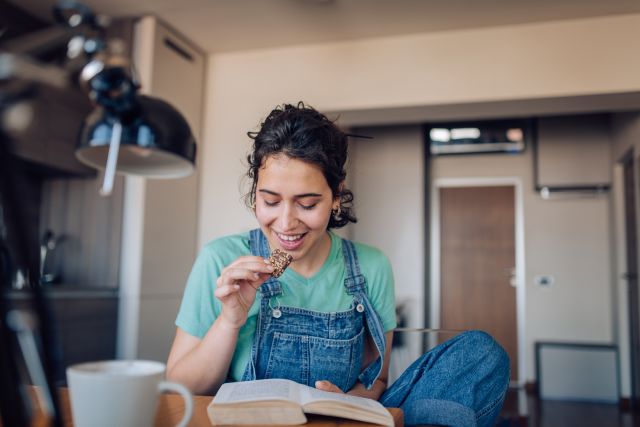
[
  {"x": 260, "y": 247},
  {"x": 354, "y": 280},
  {"x": 355, "y": 285}
]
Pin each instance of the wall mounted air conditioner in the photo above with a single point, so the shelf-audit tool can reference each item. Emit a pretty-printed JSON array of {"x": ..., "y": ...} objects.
[{"x": 474, "y": 137}]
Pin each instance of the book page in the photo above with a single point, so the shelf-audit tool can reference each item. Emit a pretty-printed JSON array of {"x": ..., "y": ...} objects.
[
  {"x": 244, "y": 391},
  {"x": 310, "y": 395}
]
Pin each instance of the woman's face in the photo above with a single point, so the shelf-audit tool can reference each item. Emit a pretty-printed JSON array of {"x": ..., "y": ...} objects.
[{"x": 293, "y": 207}]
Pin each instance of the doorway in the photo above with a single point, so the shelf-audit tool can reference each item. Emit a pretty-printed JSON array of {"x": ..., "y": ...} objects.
[{"x": 478, "y": 261}]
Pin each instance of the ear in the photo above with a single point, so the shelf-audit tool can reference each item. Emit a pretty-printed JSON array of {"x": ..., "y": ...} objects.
[{"x": 336, "y": 197}]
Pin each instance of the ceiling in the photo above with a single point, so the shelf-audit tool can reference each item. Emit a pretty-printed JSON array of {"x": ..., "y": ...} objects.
[{"x": 230, "y": 25}]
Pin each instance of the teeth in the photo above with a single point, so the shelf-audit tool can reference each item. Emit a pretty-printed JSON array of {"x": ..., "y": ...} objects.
[{"x": 289, "y": 238}]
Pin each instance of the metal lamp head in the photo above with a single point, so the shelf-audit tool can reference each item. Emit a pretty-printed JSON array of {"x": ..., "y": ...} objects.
[{"x": 155, "y": 140}]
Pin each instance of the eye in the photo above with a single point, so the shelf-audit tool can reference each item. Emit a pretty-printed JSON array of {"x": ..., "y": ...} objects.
[
  {"x": 308, "y": 207},
  {"x": 269, "y": 203}
]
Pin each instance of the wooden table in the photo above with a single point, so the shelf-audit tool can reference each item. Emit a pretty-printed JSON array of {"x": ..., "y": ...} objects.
[{"x": 171, "y": 408}]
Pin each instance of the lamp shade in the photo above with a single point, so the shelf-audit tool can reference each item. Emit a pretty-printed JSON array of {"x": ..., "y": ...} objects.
[{"x": 155, "y": 140}]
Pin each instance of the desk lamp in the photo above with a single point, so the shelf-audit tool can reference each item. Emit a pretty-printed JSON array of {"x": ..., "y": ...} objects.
[{"x": 126, "y": 133}]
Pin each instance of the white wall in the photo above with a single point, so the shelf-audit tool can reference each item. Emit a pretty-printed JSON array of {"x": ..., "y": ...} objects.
[
  {"x": 504, "y": 63},
  {"x": 568, "y": 239},
  {"x": 566, "y": 58},
  {"x": 387, "y": 179}
]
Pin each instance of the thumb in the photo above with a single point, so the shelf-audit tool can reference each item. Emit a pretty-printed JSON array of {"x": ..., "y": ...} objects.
[{"x": 327, "y": 386}]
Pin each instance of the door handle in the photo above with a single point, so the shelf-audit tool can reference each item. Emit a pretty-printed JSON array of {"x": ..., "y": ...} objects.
[{"x": 513, "y": 277}]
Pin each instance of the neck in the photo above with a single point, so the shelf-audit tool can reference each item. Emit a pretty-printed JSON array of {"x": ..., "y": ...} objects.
[{"x": 314, "y": 259}]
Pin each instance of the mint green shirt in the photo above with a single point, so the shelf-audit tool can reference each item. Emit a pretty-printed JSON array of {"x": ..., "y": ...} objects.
[{"x": 324, "y": 291}]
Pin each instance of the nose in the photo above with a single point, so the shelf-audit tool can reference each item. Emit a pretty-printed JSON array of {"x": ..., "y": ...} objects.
[{"x": 288, "y": 218}]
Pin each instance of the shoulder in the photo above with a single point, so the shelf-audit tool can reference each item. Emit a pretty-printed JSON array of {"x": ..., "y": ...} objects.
[
  {"x": 238, "y": 242},
  {"x": 225, "y": 249},
  {"x": 371, "y": 259},
  {"x": 369, "y": 252}
]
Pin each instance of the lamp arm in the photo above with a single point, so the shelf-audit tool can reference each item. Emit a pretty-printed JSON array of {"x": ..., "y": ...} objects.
[
  {"x": 15, "y": 66},
  {"x": 112, "y": 160}
]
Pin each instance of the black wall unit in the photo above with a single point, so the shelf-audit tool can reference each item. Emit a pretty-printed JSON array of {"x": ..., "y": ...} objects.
[{"x": 85, "y": 325}]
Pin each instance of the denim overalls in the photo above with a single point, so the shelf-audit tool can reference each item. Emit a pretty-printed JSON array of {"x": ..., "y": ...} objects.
[
  {"x": 461, "y": 382},
  {"x": 306, "y": 346}
]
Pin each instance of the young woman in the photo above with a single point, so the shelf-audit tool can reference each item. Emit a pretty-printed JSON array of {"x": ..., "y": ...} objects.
[{"x": 328, "y": 320}]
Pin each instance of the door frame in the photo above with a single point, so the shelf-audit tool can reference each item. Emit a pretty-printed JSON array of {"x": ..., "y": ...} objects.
[
  {"x": 434, "y": 293},
  {"x": 628, "y": 334}
]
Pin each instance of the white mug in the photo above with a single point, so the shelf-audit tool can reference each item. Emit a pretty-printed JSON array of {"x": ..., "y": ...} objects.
[{"x": 120, "y": 393}]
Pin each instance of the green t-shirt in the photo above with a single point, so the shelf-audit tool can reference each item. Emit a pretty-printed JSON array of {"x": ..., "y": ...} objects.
[{"x": 324, "y": 291}]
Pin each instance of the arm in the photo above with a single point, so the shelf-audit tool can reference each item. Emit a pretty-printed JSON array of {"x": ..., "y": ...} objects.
[
  {"x": 202, "y": 364},
  {"x": 381, "y": 383}
]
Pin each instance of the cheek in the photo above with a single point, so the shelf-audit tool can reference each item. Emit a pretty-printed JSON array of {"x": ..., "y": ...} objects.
[
  {"x": 318, "y": 220},
  {"x": 265, "y": 217}
]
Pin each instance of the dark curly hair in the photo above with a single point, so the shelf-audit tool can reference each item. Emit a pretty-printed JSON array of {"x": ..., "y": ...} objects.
[{"x": 301, "y": 132}]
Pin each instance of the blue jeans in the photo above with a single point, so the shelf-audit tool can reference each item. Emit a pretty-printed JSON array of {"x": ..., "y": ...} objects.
[{"x": 461, "y": 382}]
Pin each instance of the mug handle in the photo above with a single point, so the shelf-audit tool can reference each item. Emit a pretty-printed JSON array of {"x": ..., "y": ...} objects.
[{"x": 186, "y": 395}]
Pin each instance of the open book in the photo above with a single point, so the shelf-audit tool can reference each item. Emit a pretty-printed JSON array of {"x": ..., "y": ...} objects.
[{"x": 285, "y": 402}]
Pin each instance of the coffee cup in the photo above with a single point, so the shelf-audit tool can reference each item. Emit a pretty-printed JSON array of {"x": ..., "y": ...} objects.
[{"x": 121, "y": 393}]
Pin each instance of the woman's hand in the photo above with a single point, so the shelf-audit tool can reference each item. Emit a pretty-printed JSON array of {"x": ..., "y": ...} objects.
[
  {"x": 328, "y": 386},
  {"x": 237, "y": 286}
]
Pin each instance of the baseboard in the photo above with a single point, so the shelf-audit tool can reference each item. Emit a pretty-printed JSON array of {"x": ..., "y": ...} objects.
[{"x": 531, "y": 387}]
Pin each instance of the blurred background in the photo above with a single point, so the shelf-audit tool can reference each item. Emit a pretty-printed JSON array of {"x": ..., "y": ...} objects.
[{"x": 501, "y": 180}]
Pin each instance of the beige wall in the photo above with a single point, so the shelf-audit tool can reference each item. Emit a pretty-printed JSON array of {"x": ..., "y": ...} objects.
[
  {"x": 512, "y": 62},
  {"x": 386, "y": 175},
  {"x": 565, "y": 58},
  {"x": 568, "y": 238}
]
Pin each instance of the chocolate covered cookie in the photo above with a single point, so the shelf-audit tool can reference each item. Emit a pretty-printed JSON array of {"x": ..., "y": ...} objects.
[{"x": 279, "y": 260}]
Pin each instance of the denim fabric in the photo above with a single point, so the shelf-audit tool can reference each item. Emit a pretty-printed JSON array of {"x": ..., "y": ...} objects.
[
  {"x": 461, "y": 382},
  {"x": 306, "y": 346}
]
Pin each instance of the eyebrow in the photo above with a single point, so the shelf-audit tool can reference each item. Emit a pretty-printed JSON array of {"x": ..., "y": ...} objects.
[{"x": 297, "y": 196}]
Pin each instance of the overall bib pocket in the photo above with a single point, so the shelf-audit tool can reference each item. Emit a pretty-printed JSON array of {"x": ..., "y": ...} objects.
[{"x": 334, "y": 360}]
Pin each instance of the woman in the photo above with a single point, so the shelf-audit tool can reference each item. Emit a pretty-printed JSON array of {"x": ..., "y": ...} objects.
[{"x": 328, "y": 320}]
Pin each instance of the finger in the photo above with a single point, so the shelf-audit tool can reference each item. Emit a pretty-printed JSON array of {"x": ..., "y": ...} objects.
[
  {"x": 260, "y": 281},
  {"x": 252, "y": 262},
  {"x": 235, "y": 274},
  {"x": 260, "y": 265},
  {"x": 328, "y": 386},
  {"x": 225, "y": 291}
]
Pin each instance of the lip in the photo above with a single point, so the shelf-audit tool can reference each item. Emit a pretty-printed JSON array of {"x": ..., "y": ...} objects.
[{"x": 288, "y": 245}]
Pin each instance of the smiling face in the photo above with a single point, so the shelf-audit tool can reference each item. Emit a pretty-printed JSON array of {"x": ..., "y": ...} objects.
[{"x": 293, "y": 207}]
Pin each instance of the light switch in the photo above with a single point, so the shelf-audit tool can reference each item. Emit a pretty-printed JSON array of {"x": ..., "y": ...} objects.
[{"x": 544, "y": 280}]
